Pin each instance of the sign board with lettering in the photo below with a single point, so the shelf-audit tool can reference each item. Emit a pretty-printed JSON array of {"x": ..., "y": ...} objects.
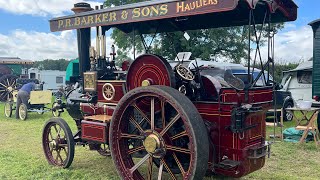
[{"x": 146, "y": 11}]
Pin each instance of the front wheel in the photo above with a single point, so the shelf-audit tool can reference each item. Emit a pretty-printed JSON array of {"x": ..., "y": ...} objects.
[
  {"x": 58, "y": 143},
  {"x": 170, "y": 136}
]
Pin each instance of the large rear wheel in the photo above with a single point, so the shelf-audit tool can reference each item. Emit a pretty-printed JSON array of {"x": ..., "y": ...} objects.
[
  {"x": 58, "y": 143},
  {"x": 172, "y": 141},
  {"x": 7, "y": 85}
]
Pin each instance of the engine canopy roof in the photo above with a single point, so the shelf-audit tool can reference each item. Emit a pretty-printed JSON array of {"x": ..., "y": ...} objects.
[{"x": 178, "y": 15}]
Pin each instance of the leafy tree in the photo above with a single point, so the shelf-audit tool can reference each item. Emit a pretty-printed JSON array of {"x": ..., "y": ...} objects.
[
  {"x": 49, "y": 64},
  {"x": 229, "y": 43}
]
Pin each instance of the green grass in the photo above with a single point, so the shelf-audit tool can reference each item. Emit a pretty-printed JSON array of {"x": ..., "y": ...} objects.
[{"x": 21, "y": 156}]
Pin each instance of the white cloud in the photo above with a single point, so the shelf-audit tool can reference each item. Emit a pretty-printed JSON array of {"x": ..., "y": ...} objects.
[
  {"x": 39, "y": 45},
  {"x": 292, "y": 44},
  {"x": 41, "y": 7}
]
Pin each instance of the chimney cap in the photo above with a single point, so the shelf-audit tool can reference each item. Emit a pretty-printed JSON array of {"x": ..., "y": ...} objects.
[{"x": 82, "y": 4}]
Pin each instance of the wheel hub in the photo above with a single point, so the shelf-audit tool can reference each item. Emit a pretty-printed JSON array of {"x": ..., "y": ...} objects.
[
  {"x": 53, "y": 145},
  {"x": 10, "y": 88},
  {"x": 154, "y": 144}
]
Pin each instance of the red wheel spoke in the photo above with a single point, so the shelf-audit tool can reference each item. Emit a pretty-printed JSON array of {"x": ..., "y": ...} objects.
[
  {"x": 136, "y": 166},
  {"x": 58, "y": 135},
  {"x": 170, "y": 124},
  {"x": 142, "y": 113},
  {"x": 178, "y": 163},
  {"x": 178, "y": 149},
  {"x": 177, "y": 136},
  {"x": 168, "y": 169},
  {"x": 152, "y": 113},
  {"x": 63, "y": 145},
  {"x": 160, "y": 171},
  {"x": 64, "y": 149},
  {"x": 50, "y": 133},
  {"x": 58, "y": 154},
  {"x": 134, "y": 150},
  {"x": 150, "y": 163},
  {"x": 55, "y": 128},
  {"x": 131, "y": 136},
  {"x": 136, "y": 124},
  {"x": 163, "y": 118}
]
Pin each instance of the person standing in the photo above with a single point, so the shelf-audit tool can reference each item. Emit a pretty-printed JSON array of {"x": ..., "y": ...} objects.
[{"x": 24, "y": 95}]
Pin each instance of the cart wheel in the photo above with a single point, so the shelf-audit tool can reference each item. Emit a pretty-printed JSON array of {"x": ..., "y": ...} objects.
[
  {"x": 8, "y": 109},
  {"x": 55, "y": 112},
  {"x": 23, "y": 111},
  {"x": 174, "y": 140},
  {"x": 7, "y": 85},
  {"x": 41, "y": 111},
  {"x": 58, "y": 143},
  {"x": 104, "y": 150}
]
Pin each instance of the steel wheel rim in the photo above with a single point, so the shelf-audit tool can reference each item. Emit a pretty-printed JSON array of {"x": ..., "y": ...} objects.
[
  {"x": 171, "y": 150},
  {"x": 56, "y": 145}
]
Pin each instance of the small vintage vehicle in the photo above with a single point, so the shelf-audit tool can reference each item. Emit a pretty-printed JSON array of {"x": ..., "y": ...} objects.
[
  {"x": 37, "y": 103},
  {"x": 12, "y": 69},
  {"x": 159, "y": 121}
]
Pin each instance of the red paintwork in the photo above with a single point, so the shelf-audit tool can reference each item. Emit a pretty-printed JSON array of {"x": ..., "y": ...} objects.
[
  {"x": 150, "y": 67},
  {"x": 90, "y": 109},
  {"x": 97, "y": 132},
  {"x": 119, "y": 87},
  {"x": 228, "y": 144}
]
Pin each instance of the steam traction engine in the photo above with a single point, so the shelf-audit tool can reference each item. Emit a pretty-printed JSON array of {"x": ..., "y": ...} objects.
[{"x": 161, "y": 120}]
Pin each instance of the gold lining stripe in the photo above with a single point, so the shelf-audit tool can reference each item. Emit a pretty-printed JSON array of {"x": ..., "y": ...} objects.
[
  {"x": 106, "y": 81},
  {"x": 109, "y": 104},
  {"x": 215, "y": 114}
]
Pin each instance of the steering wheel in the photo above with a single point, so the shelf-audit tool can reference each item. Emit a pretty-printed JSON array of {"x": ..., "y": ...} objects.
[{"x": 184, "y": 73}]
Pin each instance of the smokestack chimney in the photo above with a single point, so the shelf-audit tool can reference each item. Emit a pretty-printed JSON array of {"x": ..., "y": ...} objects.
[{"x": 84, "y": 39}]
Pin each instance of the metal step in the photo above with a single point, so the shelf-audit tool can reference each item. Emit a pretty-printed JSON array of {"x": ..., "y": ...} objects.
[{"x": 228, "y": 164}]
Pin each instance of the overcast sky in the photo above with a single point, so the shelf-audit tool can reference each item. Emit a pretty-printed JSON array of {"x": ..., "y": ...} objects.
[{"x": 24, "y": 30}]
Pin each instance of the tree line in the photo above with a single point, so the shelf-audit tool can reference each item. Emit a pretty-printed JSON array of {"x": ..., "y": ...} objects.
[{"x": 51, "y": 64}]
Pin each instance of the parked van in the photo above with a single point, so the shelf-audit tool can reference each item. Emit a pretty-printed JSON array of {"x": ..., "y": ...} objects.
[{"x": 53, "y": 79}]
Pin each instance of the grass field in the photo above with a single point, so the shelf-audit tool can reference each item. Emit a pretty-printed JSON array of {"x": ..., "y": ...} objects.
[{"x": 21, "y": 156}]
